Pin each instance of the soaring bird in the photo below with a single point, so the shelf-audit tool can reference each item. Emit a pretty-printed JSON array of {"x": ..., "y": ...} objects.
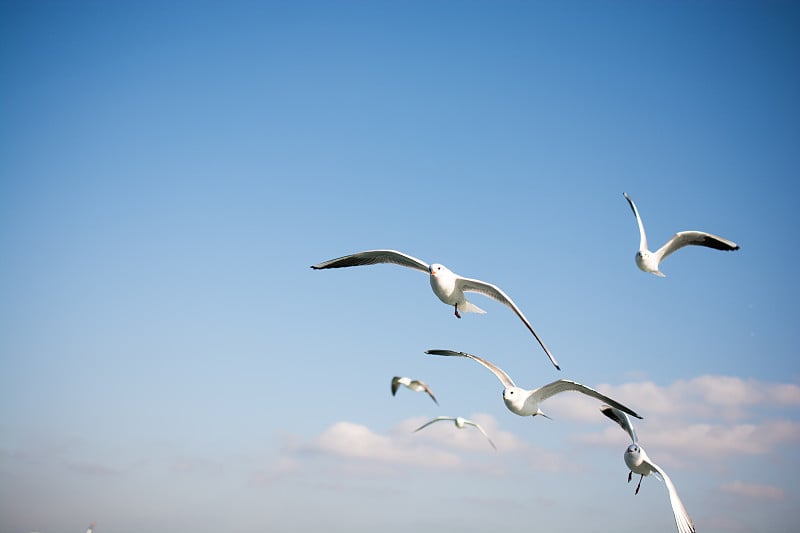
[
  {"x": 638, "y": 462},
  {"x": 525, "y": 402},
  {"x": 460, "y": 422},
  {"x": 649, "y": 261},
  {"x": 413, "y": 384},
  {"x": 448, "y": 286}
]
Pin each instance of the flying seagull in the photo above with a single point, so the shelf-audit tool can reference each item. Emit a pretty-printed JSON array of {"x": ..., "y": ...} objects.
[
  {"x": 460, "y": 423},
  {"x": 447, "y": 285},
  {"x": 91, "y": 528},
  {"x": 525, "y": 402},
  {"x": 649, "y": 261},
  {"x": 638, "y": 462},
  {"x": 413, "y": 384}
]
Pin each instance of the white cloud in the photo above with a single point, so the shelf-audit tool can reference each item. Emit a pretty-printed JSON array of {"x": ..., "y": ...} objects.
[
  {"x": 439, "y": 446},
  {"x": 708, "y": 416},
  {"x": 346, "y": 439},
  {"x": 716, "y": 440},
  {"x": 754, "y": 491}
]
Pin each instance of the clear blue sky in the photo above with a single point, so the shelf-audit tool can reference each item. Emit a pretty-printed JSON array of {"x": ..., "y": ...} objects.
[{"x": 170, "y": 170}]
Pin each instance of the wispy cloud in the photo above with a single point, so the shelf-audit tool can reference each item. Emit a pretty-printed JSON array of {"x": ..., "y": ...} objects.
[
  {"x": 350, "y": 440},
  {"x": 754, "y": 491},
  {"x": 438, "y": 446},
  {"x": 708, "y": 416},
  {"x": 717, "y": 397}
]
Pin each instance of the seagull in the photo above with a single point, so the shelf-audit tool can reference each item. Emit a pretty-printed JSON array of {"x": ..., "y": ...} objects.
[
  {"x": 91, "y": 527},
  {"x": 648, "y": 261},
  {"x": 460, "y": 423},
  {"x": 447, "y": 285},
  {"x": 413, "y": 384},
  {"x": 525, "y": 402},
  {"x": 637, "y": 460}
]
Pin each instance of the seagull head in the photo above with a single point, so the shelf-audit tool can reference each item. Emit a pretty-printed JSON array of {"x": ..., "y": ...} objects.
[
  {"x": 435, "y": 269},
  {"x": 634, "y": 457},
  {"x": 514, "y": 398}
]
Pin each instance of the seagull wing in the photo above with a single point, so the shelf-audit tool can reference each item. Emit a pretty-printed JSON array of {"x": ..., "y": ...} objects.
[
  {"x": 502, "y": 376},
  {"x": 374, "y": 257},
  {"x": 694, "y": 238},
  {"x": 494, "y": 292},
  {"x": 395, "y": 384},
  {"x": 428, "y": 390},
  {"x": 542, "y": 393},
  {"x": 620, "y": 418},
  {"x": 471, "y": 423},
  {"x": 437, "y": 419},
  {"x": 642, "y": 234},
  {"x": 682, "y": 518}
]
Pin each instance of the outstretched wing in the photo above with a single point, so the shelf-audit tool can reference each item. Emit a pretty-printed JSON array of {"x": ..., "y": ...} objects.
[
  {"x": 494, "y": 292},
  {"x": 428, "y": 390},
  {"x": 642, "y": 234},
  {"x": 471, "y": 423},
  {"x": 437, "y": 419},
  {"x": 542, "y": 393},
  {"x": 694, "y": 238},
  {"x": 682, "y": 518},
  {"x": 497, "y": 371},
  {"x": 620, "y": 418},
  {"x": 395, "y": 384},
  {"x": 374, "y": 257}
]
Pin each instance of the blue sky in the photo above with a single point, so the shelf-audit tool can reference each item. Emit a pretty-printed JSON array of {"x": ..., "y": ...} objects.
[{"x": 169, "y": 172}]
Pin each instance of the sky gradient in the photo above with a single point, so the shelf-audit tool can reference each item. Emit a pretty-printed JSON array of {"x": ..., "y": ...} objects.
[{"x": 169, "y": 172}]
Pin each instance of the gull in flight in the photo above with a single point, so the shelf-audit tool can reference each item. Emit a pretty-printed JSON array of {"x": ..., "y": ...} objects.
[
  {"x": 413, "y": 384},
  {"x": 649, "y": 261},
  {"x": 460, "y": 423},
  {"x": 91, "y": 528},
  {"x": 525, "y": 402},
  {"x": 447, "y": 285},
  {"x": 638, "y": 462}
]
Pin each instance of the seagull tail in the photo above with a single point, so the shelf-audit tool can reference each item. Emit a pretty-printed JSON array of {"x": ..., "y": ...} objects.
[{"x": 469, "y": 307}]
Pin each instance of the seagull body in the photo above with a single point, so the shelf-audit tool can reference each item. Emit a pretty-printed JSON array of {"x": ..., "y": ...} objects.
[
  {"x": 648, "y": 261},
  {"x": 91, "y": 528},
  {"x": 525, "y": 402},
  {"x": 460, "y": 423},
  {"x": 639, "y": 463},
  {"x": 413, "y": 384},
  {"x": 448, "y": 286}
]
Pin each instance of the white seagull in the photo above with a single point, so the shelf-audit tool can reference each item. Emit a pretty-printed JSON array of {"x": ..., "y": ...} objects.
[
  {"x": 413, "y": 384},
  {"x": 525, "y": 402},
  {"x": 649, "y": 261},
  {"x": 447, "y": 285},
  {"x": 638, "y": 462},
  {"x": 460, "y": 423},
  {"x": 91, "y": 528}
]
